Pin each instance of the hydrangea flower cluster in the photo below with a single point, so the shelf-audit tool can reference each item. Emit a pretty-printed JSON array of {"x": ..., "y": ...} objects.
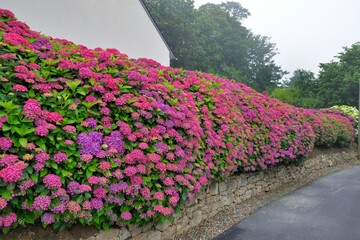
[{"x": 94, "y": 137}]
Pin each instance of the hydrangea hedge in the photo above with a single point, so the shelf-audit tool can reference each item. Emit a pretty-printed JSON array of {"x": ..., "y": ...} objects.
[{"x": 93, "y": 137}]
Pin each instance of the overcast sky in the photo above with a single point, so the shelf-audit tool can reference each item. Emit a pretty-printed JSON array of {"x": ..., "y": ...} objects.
[{"x": 306, "y": 32}]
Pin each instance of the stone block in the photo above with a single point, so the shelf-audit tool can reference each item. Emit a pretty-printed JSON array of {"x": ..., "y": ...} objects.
[
  {"x": 226, "y": 200},
  {"x": 222, "y": 187},
  {"x": 169, "y": 233},
  {"x": 233, "y": 185},
  {"x": 124, "y": 234},
  {"x": 197, "y": 218},
  {"x": 243, "y": 181},
  {"x": 214, "y": 189},
  {"x": 111, "y": 234},
  {"x": 154, "y": 235},
  {"x": 330, "y": 163},
  {"x": 162, "y": 227},
  {"x": 136, "y": 231},
  {"x": 147, "y": 227}
]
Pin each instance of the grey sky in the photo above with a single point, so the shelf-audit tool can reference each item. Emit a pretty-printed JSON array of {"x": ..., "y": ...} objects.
[{"x": 306, "y": 32}]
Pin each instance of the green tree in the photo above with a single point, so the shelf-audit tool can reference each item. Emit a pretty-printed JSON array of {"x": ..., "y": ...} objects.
[
  {"x": 262, "y": 72},
  {"x": 338, "y": 80},
  {"x": 212, "y": 39},
  {"x": 176, "y": 20}
]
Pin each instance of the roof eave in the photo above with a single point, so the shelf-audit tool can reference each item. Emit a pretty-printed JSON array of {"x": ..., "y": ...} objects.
[{"x": 172, "y": 56}]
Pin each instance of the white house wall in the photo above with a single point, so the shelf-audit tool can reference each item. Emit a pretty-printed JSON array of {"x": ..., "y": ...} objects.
[{"x": 120, "y": 24}]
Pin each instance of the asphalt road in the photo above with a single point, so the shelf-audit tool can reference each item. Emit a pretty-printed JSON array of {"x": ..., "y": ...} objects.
[{"x": 327, "y": 209}]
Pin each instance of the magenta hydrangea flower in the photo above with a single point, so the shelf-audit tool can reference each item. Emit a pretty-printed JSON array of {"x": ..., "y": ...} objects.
[
  {"x": 69, "y": 129},
  {"x": 108, "y": 97},
  {"x": 161, "y": 166},
  {"x": 51, "y": 181},
  {"x": 85, "y": 72},
  {"x": 19, "y": 88},
  {"x": 42, "y": 157},
  {"x": 5, "y": 143},
  {"x": 86, "y": 205},
  {"x": 27, "y": 184},
  {"x": 99, "y": 192},
  {"x": 3, "y": 203},
  {"x": 126, "y": 216},
  {"x": 52, "y": 116},
  {"x": 47, "y": 218},
  {"x": 96, "y": 203},
  {"x": 60, "y": 157},
  {"x": 84, "y": 188},
  {"x": 86, "y": 157},
  {"x": 163, "y": 210},
  {"x": 203, "y": 180},
  {"x": 61, "y": 208},
  {"x": 174, "y": 201},
  {"x": 153, "y": 157},
  {"x": 8, "y": 159},
  {"x": 94, "y": 180},
  {"x": 143, "y": 145},
  {"x": 104, "y": 166},
  {"x": 41, "y": 203},
  {"x": 73, "y": 187},
  {"x": 11, "y": 173},
  {"x": 130, "y": 171},
  {"x": 73, "y": 207},
  {"x": 159, "y": 195},
  {"x": 41, "y": 131},
  {"x": 32, "y": 109},
  {"x": 69, "y": 142},
  {"x": 90, "y": 98},
  {"x": 7, "y": 221}
]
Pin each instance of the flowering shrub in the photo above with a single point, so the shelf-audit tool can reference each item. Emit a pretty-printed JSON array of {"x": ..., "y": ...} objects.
[
  {"x": 94, "y": 137},
  {"x": 348, "y": 111}
]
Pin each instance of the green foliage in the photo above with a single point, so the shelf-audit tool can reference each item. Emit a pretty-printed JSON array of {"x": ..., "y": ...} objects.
[
  {"x": 212, "y": 39},
  {"x": 287, "y": 95},
  {"x": 338, "y": 81}
]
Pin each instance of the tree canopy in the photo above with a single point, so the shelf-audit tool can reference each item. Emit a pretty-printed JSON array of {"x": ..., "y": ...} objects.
[
  {"x": 339, "y": 80},
  {"x": 337, "y": 83},
  {"x": 213, "y": 39}
]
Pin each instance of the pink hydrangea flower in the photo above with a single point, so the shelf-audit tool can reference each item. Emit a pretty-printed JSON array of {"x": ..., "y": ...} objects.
[
  {"x": 51, "y": 181},
  {"x": 19, "y": 88},
  {"x": 60, "y": 157},
  {"x": 126, "y": 216},
  {"x": 99, "y": 192},
  {"x": 41, "y": 203},
  {"x": 104, "y": 166},
  {"x": 69, "y": 129},
  {"x": 7, "y": 221},
  {"x": 73, "y": 207},
  {"x": 3, "y": 203},
  {"x": 85, "y": 72},
  {"x": 96, "y": 203},
  {"x": 159, "y": 195},
  {"x": 47, "y": 218},
  {"x": 41, "y": 131},
  {"x": 130, "y": 171},
  {"x": 5, "y": 143},
  {"x": 11, "y": 173}
]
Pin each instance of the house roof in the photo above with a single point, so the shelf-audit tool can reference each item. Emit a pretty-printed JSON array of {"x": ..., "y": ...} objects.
[{"x": 172, "y": 56}]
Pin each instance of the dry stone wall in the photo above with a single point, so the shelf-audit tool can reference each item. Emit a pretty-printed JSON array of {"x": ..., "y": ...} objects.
[{"x": 234, "y": 190}]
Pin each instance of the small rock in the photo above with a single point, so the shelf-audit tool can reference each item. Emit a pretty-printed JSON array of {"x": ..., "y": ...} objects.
[
  {"x": 111, "y": 234},
  {"x": 154, "y": 235},
  {"x": 124, "y": 234}
]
